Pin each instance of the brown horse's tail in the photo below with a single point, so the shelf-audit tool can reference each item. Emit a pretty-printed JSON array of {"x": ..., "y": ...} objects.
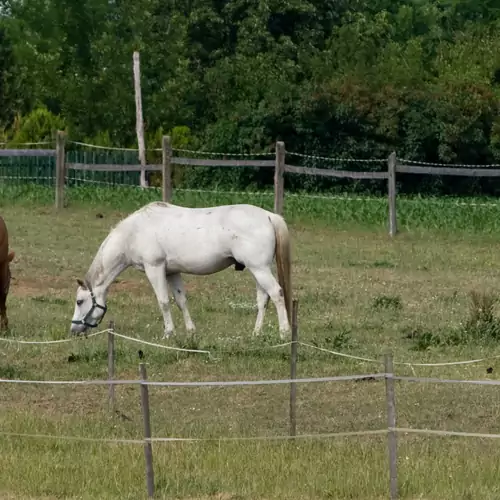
[{"x": 283, "y": 260}]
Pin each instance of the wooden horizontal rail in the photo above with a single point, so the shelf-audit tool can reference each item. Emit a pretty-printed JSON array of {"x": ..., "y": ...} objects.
[
  {"x": 464, "y": 172},
  {"x": 111, "y": 167},
  {"x": 221, "y": 163},
  {"x": 335, "y": 173},
  {"x": 27, "y": 152}
]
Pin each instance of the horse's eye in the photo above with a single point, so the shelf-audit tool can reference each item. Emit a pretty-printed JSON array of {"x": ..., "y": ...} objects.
[{"x": 79, "y": 302}]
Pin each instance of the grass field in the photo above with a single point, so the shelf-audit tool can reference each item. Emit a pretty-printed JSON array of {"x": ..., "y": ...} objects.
[{"x": 359, "y": 292}]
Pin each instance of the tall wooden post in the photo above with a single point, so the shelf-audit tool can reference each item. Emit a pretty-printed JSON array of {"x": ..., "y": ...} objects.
[
  {"x": 279, "y": 180},
  {"x": 60, "y": 168},
  {"x": 139, "y": 124},
  {"x": 166, "y": 148}
]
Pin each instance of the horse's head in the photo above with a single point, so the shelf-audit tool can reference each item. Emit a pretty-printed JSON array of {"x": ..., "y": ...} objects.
[{"x": 90, "y": 308}]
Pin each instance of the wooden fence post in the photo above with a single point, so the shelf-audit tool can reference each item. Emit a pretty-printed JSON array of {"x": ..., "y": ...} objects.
[
  {"x": 293, "y": 369},
  {"x": 391, "y": 185},
  {"x": 391, "y": 424},
  {"x": 166, "y": 148},
  {"x": 279, "y": 180},
  {"x": 148, "y": 450},
  {"x": 111, "y": 365},
  {"x": 60, "y": 168}
]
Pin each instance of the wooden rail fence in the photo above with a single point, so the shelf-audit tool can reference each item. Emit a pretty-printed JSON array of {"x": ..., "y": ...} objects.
[{"x": 279, "y": 164}]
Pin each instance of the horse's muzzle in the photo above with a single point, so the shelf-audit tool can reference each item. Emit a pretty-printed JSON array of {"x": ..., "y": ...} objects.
[{"x": 77, "y": 329}]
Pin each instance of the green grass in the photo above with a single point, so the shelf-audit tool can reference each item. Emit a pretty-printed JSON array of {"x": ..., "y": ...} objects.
[
  {"x": 469, "y": 215},
  {"x": 359, "y": 292}
]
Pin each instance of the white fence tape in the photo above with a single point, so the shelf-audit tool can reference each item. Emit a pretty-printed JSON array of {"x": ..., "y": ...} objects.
[
  {"x": 446, "y": 381},
  {"x": 73, "y": 438},
  {"x": 61, "y": 341},
  {"x": 162, "y": 346},
  {"x": 206, "y": 383},
  {"x": 334, "y": 159},
  {"x": 70, "y": 382},
  {"x": 271, "y": 438},
  {"x": 457, "y": 165},
  {"x": 401, "y": 363},
  {"x": 209, "y": 353},
  {"x": 227, "y": 383},
  {"x": 400, "y": 430},
  {"x": 450, "y": 363},
  {"x": 95, "y": 146},
  {"x": 444, "y": 433},
  {"x": 192, "y": 440},
  {"x": 336, "y": 353}
]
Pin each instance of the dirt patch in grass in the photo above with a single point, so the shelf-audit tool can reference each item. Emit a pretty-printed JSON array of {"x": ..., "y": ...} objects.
[{"x": 27, "y": 287}]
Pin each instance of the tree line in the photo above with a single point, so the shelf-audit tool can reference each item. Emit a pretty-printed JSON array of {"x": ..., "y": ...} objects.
[{"x": 355, "y": 78}]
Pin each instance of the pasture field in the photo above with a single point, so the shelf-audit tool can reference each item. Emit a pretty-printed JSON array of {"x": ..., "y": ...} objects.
[{"x": 359, "y": 292}]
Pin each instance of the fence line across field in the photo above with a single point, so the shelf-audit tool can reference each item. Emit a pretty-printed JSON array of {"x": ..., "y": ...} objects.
[
  {"x": 204, "y": 383},
  {"x": 325, "y": 435},
  {"x": 387, "y": 374},
  {"x": 112, "y": 332},
  {"x": 281, "y": 168},
  {"x": 391, "y": 431},
  {"x": 279, "y": 164},
  {"x": 241, "y": 383}
]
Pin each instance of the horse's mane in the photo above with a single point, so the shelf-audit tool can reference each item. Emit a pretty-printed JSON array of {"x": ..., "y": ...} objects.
[{"x": 96, "y": 267}]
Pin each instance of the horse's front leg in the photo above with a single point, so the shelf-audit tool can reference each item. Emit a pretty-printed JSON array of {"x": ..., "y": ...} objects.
[
  {"x": 4, "y": 323},
  {"x": 158, "y": 280},
  {"x": 177, "y": 285}
]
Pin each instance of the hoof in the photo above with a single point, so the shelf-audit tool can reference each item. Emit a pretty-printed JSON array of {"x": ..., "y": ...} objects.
[{"x": 285, "y": 334}]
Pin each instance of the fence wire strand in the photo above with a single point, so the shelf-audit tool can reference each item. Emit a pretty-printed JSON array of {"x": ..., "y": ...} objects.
[
  {"x": 376, "y": 432},
  {"x": 60, "y": 341},
  {"x": 337, "y": 159},
  {"x": 451, "y": 165},
  {"x": 251, "y": 349},
  {"x": 205, "y": 383}
]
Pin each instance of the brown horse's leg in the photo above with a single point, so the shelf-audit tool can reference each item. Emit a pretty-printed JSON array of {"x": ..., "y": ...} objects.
[{"x": 4, "y": 322}]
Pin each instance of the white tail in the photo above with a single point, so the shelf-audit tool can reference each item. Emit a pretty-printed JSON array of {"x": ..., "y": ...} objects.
[{"x": 283, "y": 261}]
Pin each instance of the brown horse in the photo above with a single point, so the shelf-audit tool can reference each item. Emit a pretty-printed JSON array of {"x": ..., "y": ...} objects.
[{"x": 5, "y": 260}]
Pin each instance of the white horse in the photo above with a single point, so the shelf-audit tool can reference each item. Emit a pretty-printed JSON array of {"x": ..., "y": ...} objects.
[{"x": 165, "y": 240}]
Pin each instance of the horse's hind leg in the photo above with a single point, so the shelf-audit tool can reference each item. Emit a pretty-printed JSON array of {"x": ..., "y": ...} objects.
[
  {"x": 177, "y": 285},
  {"x": 158, "y": 280},
  {"x": 262, "y": 301},
  {"x": 268, "y": 282}
]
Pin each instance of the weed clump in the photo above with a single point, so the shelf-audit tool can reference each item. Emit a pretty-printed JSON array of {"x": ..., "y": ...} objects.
[
  {"x": 481, "y": 326},
  {"x": 387, "y": 302}
]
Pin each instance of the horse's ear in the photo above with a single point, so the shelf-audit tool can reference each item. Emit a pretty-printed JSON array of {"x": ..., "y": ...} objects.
[
  {"x": 81, "y": 283},
  {"x": 11, "y": 256}
]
